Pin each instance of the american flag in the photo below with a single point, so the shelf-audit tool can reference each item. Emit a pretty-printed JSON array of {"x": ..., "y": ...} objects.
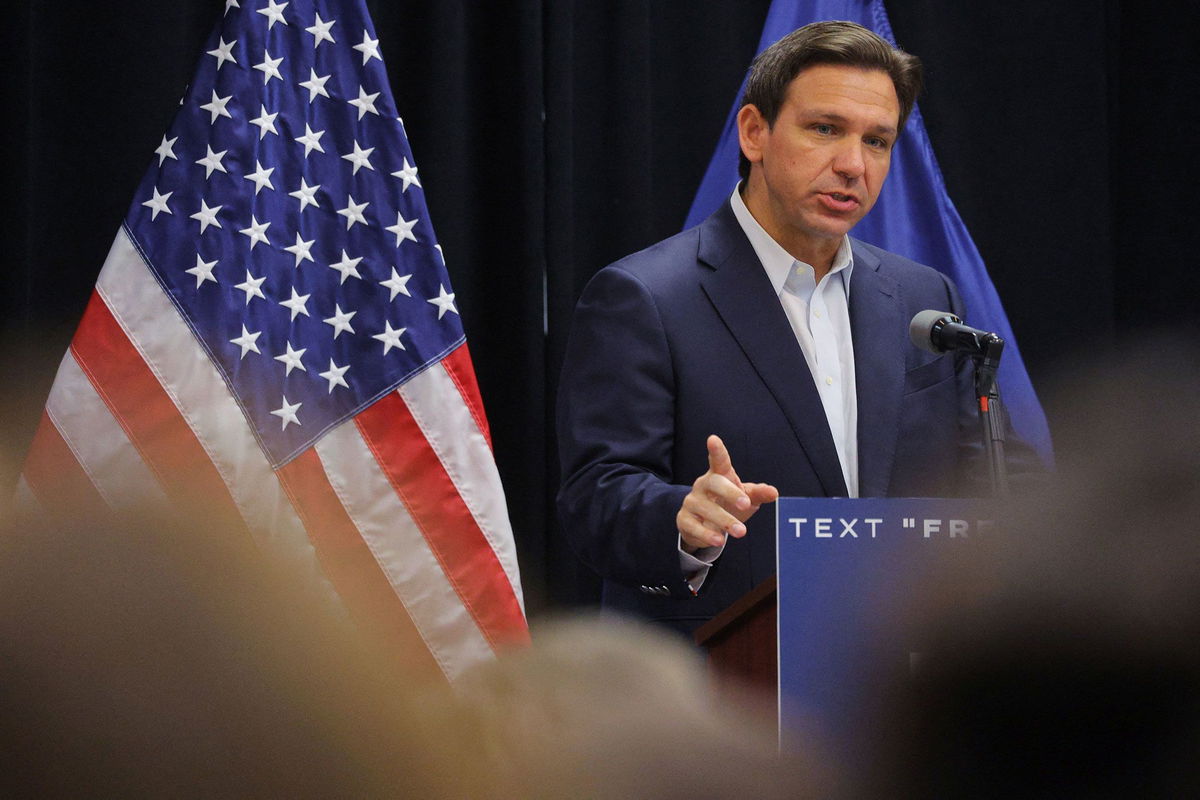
[{"x": 274, "y": 330}]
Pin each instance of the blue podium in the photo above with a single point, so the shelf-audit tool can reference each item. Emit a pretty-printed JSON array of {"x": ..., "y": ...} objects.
[
  {"x": 850, "y": 574},
  {"x": 835, "y": 618}
]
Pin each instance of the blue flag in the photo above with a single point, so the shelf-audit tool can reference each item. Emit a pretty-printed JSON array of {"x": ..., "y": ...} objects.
[{"x": 913, "y": 216}]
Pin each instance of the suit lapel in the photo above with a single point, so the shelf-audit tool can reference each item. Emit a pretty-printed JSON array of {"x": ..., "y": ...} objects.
[
  {"x": 877, "y": 324},
  {"x": 742, "y": 294}
]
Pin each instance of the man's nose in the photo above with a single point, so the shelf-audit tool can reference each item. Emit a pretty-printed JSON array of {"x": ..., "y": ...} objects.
[{"x": 848, "y": 161}]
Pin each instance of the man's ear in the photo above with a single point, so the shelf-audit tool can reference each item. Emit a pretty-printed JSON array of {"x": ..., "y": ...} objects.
[{"x": 752, "y": 127}]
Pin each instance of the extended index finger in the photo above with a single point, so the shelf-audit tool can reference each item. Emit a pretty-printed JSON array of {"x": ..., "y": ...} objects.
[{"x": 718, "y": 456}]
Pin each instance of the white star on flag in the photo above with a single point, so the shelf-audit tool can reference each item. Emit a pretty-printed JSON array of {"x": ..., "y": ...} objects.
[
  {"x": 397, "y": 284},
  {"x": 408, "y": 175},
  {"x": 365, "y": 102},
  {"x": 340, "y": 319},
  {"x": 369, "y": 48},
  {"x": 402, "y": 229},
  {"x": 206, "y": 216},
  {"x": 203, "y": 270},
  {"x": 296, "y": 304},
  {"x": 269, "y": 67},
  {"x": 211, "y": 162},
  {"x": 265, "y": 122},
  {"x": 166, "y": 149},
  {"x": 300, "y": 249},
  {"x": 315, "y": 85},
  {"x": 257, "y": 232},
  {"x": 353, "y": 212},
  {"x": 251, "y": 286},
  {"x": 444, "y": 302},
  {"x": 359, "y": 158},
  {"x": 247, "y": 341},
  {"x": 307, "y": 195},
  {"x": 274, "y": 13},
  {"x": 335, "y": 375},
  {"x": 311, "y": 140},
  {"x": 347, "y": 266},
  {"x": 320, "y": 31},
  {"x": 292, "y": 359},
  {"x": 389, "y": 337},
  {"x": 287, "y": 412},
  {"x": 260, "y": 176},
  {"x": 216, "y": 107},
  {"x": 223, "y": 53},
  {"x": 158, "y": 203}
]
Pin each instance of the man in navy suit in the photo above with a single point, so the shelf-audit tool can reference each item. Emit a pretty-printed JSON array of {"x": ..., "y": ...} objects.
[{"x": 764, "y": 338}]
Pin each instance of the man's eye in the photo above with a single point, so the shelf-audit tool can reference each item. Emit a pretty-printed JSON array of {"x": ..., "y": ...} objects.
[
  {"x": 823, "y": 129},
  {"x": 876, "y": 142}
]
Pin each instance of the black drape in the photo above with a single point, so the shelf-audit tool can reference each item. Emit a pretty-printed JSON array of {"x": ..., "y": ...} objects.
[{"x": 554, "y": 136}]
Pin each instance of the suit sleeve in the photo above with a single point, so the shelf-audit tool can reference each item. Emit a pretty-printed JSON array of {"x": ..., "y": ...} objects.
[{"x": 616, "y": 434}]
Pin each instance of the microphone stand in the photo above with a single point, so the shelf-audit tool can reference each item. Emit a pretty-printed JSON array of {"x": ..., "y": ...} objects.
[{"x": 991, "y": 415}]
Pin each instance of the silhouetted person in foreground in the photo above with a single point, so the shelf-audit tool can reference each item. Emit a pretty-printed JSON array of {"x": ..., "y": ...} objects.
[
  {"x": 143, "y": 657},
  {"x": 147, "y": 656},
  {"x": 1063, "y": 658}
]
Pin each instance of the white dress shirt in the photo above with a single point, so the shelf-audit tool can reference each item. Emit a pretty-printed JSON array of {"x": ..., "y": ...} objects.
[
  {"x": 819, "y": 314},
  {"x": 820, "y": 317}
]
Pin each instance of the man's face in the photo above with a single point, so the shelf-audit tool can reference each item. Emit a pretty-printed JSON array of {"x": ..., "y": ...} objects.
[{"x": 818, "y": 169}]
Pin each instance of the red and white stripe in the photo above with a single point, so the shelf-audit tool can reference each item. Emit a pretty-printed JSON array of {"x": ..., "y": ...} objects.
[{"x": 400, "y": 509}]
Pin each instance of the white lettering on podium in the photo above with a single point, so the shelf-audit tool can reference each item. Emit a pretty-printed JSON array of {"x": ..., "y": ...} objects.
[{"x": 823, "y": 526}]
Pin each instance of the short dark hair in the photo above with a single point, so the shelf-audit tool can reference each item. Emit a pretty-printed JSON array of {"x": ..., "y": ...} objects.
[{"x": 845, "y": 43}]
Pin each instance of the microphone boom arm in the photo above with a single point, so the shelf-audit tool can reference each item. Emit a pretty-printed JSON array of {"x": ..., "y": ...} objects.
[{"x": 991, "y": 416}]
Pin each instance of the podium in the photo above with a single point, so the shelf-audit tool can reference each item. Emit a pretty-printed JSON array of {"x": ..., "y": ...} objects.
[
  {"x": 741, "y": 640},
  {"x": 833, "y": 619}
]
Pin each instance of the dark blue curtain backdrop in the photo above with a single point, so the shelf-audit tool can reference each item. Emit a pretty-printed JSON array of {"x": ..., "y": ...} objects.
[{"x": 554, "y": 136}]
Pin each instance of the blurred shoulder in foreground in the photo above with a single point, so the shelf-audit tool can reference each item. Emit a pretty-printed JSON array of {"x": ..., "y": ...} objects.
[
  {"x": 604, "y": 707},
  {"x": 1064, "y": 657}
]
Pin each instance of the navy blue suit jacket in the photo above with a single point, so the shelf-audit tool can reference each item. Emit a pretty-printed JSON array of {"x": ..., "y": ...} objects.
[{"x": 688, "y": 338}]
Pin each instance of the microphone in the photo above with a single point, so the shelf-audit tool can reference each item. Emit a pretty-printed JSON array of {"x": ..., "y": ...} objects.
[{"x": 940, "y": 331}]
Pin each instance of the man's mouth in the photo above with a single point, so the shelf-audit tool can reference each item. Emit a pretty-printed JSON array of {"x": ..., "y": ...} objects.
[{"x": 840, "y": 201}]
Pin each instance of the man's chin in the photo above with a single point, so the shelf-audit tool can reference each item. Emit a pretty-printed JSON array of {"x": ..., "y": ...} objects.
[
  {"x": 831, "y": 229},
  {"x": 834, "y": 226}
]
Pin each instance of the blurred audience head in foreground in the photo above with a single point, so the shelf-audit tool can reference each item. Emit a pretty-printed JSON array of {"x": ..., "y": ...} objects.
[
  {"x": 148, "y": 655},
  {"x": 1064, "y": 655},
  {"x": 603, "y": 707}
]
